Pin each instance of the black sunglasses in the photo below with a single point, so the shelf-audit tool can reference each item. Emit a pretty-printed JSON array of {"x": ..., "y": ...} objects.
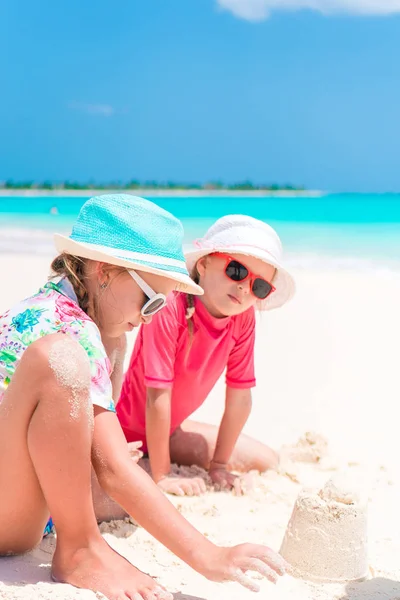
[{"x": 261, "y": 288}]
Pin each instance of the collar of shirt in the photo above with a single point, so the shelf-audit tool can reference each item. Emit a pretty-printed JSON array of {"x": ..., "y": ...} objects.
[{"x": 64, "y": 287}]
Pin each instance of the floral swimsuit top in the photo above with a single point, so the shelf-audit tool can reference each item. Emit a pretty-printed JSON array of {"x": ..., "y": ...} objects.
[{"x": 54, "y": 309}]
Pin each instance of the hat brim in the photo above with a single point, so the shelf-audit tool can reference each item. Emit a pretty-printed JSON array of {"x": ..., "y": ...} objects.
[
  {"x": 69, "y": 246},
  {"x": 283, "y": 281}
]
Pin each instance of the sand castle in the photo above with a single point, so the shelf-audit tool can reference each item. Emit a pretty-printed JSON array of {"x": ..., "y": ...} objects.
[{"x": 326, "y": 537}]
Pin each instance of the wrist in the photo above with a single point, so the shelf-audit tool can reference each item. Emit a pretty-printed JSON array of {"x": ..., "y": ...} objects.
[
  {"x": 159, "y": 476},
  {"x": 216, "y": 465},
  {"x": 204, "y": 558}
]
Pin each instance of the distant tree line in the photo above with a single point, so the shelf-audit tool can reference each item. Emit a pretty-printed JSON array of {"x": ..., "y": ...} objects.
[{"x": 153, "y": 185}]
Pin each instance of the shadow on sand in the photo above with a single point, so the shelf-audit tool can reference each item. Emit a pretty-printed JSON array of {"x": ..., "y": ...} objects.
[
  {"x": 32, "y": 567},
  {"x": 373, "y": 589},
  {"x": 180, "y": 596}
]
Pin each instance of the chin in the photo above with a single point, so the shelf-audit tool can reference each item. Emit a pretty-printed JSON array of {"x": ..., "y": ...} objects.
[
  {"x": 228, "y": 310},
  {"x": 236, "y": 309},
  {"x": 115, "y": 332}
]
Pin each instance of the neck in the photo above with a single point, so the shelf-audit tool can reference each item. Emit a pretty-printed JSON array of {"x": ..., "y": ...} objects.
[{"x": 206, "y": 301}]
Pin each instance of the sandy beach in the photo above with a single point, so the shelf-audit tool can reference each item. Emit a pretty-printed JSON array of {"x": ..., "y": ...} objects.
[{"x": 327, "y": 363}]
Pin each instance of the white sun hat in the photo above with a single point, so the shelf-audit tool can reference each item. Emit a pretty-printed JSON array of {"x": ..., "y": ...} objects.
[
  {"x": 130, "y": 232},
  {"x": 240, "y": 234}
]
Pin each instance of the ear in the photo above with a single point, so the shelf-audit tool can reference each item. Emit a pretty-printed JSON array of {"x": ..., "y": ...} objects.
[
  {"x": 101, "y": 271},
  {"x": 201, "y": 266}
]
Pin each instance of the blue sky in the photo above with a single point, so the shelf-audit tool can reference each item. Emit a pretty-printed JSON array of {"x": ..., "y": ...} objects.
[{"x": 197, "y": 90}]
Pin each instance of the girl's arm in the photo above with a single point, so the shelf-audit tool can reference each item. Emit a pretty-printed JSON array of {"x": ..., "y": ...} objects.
[
  {"x": 158, "y": 422},
  {"x": 238, "y": 404},
  {"x": 239, "y": 379},
  {"x": 134, "y": 490},
  {"x": 237, "y": 410}
]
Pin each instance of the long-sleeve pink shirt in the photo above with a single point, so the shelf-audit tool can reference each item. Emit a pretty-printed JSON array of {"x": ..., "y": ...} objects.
[{"x": 163, "y": 358}]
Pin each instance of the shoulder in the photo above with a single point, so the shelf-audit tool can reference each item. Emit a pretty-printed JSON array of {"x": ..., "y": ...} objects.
[
  {"x": 174, "y": 311},
  {"x": 244, "y": 324},
  {"x": 176, "y": 303},
  {"x": 247, "y": 319},
  {"x": 57, "y": 353},
  {"x": 29, "y": 320},
  {"x": 34, "y": 305}
]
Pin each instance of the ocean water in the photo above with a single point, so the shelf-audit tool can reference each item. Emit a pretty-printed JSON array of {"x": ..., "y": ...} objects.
[{"x": 332, "y": 231}]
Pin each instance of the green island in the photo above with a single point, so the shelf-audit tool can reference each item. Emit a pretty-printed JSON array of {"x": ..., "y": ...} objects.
[{"x": 147, "y": 185}]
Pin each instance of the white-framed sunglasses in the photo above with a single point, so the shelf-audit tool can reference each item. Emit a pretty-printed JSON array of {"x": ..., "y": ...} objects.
[{"x": 155, "y": 301}]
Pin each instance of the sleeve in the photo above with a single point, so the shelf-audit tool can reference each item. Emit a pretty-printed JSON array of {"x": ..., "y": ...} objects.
[
  {"x": 160, "y": 340},
  {"x": 240, "y": 368},
  {"x": 100, "y": 369}
]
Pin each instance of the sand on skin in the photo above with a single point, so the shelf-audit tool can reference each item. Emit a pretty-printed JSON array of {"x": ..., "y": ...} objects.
[{"x": 327, "y": 363}]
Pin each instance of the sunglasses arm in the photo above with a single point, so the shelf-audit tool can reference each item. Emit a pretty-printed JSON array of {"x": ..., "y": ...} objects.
[{"x": 142, "y": 284}]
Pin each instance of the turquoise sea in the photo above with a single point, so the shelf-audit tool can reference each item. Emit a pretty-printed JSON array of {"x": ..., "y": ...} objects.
[{"x": 330, "y": 231}]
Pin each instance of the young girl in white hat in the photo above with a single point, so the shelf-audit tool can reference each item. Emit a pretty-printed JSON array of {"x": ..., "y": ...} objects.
[
  {"x": 179, "y": 357},
  {"x": 57, "y": 415}
]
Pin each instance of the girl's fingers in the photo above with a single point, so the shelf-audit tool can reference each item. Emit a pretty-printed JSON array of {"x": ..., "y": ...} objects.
[
  {"x": 245, "y": 581},
  {"x": 175, "y": 489},
  {"x": 200, "y": 486},
  {"x": 273, "y": 560},
  {"x": 223, "y": 483},
  {"x": 187, "y": 487},
  {"x": 179, "y": 491},
  {"x": 195, "y": 489},
  {"x": 255, "y": 564},
  {"x": 184, "y": 487},
  {"x": 135, "y": 453},
  {"x": 237, "y": 487},
  {"x": 134, "y": 446},
  {"x": 203, "y": 487}
]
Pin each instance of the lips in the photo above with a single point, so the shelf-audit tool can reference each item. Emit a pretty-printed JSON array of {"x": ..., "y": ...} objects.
[{"x": 234, "y": 299}]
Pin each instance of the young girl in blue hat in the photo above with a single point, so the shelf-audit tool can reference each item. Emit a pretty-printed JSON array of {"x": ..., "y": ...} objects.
[
  {"x": 57, "y": 416},
  {"x": 178, "y": 359}
]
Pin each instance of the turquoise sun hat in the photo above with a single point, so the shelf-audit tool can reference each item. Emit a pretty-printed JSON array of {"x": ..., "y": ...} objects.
[{"x": 131, "y": 232}]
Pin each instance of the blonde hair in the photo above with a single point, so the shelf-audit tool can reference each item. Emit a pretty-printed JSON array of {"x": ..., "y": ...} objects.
[
  {"x": 190, "y": 309},
  {"x": 74, "y": 269}
]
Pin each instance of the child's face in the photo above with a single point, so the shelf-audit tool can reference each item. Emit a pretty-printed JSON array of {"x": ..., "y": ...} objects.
[
  {"x": 120, "y": 302},
  {"x": 224, "y": 297}
]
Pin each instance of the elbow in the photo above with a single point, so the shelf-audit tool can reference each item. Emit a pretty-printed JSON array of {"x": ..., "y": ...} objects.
[
  {"x": 241, "y": 398},
  {"x": 158, "y": 398},
  {"x": 111, "y": 477}
]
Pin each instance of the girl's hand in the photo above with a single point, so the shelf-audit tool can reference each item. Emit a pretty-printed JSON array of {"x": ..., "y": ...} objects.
[
  {"x": 232, "y": 564},
  {"x": 224, "y": 480},
  {"x": 134, "y": 451},
  {"x": 182, "y": 486}
]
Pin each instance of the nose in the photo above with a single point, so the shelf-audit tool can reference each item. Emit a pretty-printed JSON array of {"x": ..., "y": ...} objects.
[
  {"x": 245, "y": 286},
  {"x": 146, "y": 320}
]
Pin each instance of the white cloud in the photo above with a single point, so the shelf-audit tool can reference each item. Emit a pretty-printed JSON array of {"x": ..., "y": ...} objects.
[
  {"x": 259, "y": 10},
  {"x": 102, "y": 110}
]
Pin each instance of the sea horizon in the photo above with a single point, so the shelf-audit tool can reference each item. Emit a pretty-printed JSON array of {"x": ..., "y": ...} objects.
[{"x": 324, "y": 231}]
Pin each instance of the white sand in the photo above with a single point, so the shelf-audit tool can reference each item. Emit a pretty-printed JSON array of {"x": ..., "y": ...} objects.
[{"x": 326, "y": 363}]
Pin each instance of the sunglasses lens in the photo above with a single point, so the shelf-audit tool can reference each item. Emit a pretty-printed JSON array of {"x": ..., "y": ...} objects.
[
  {"x": 261, "y": 288},
  {"x": 153, "y": 306},
  {"x": 236, "y": 271}
]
